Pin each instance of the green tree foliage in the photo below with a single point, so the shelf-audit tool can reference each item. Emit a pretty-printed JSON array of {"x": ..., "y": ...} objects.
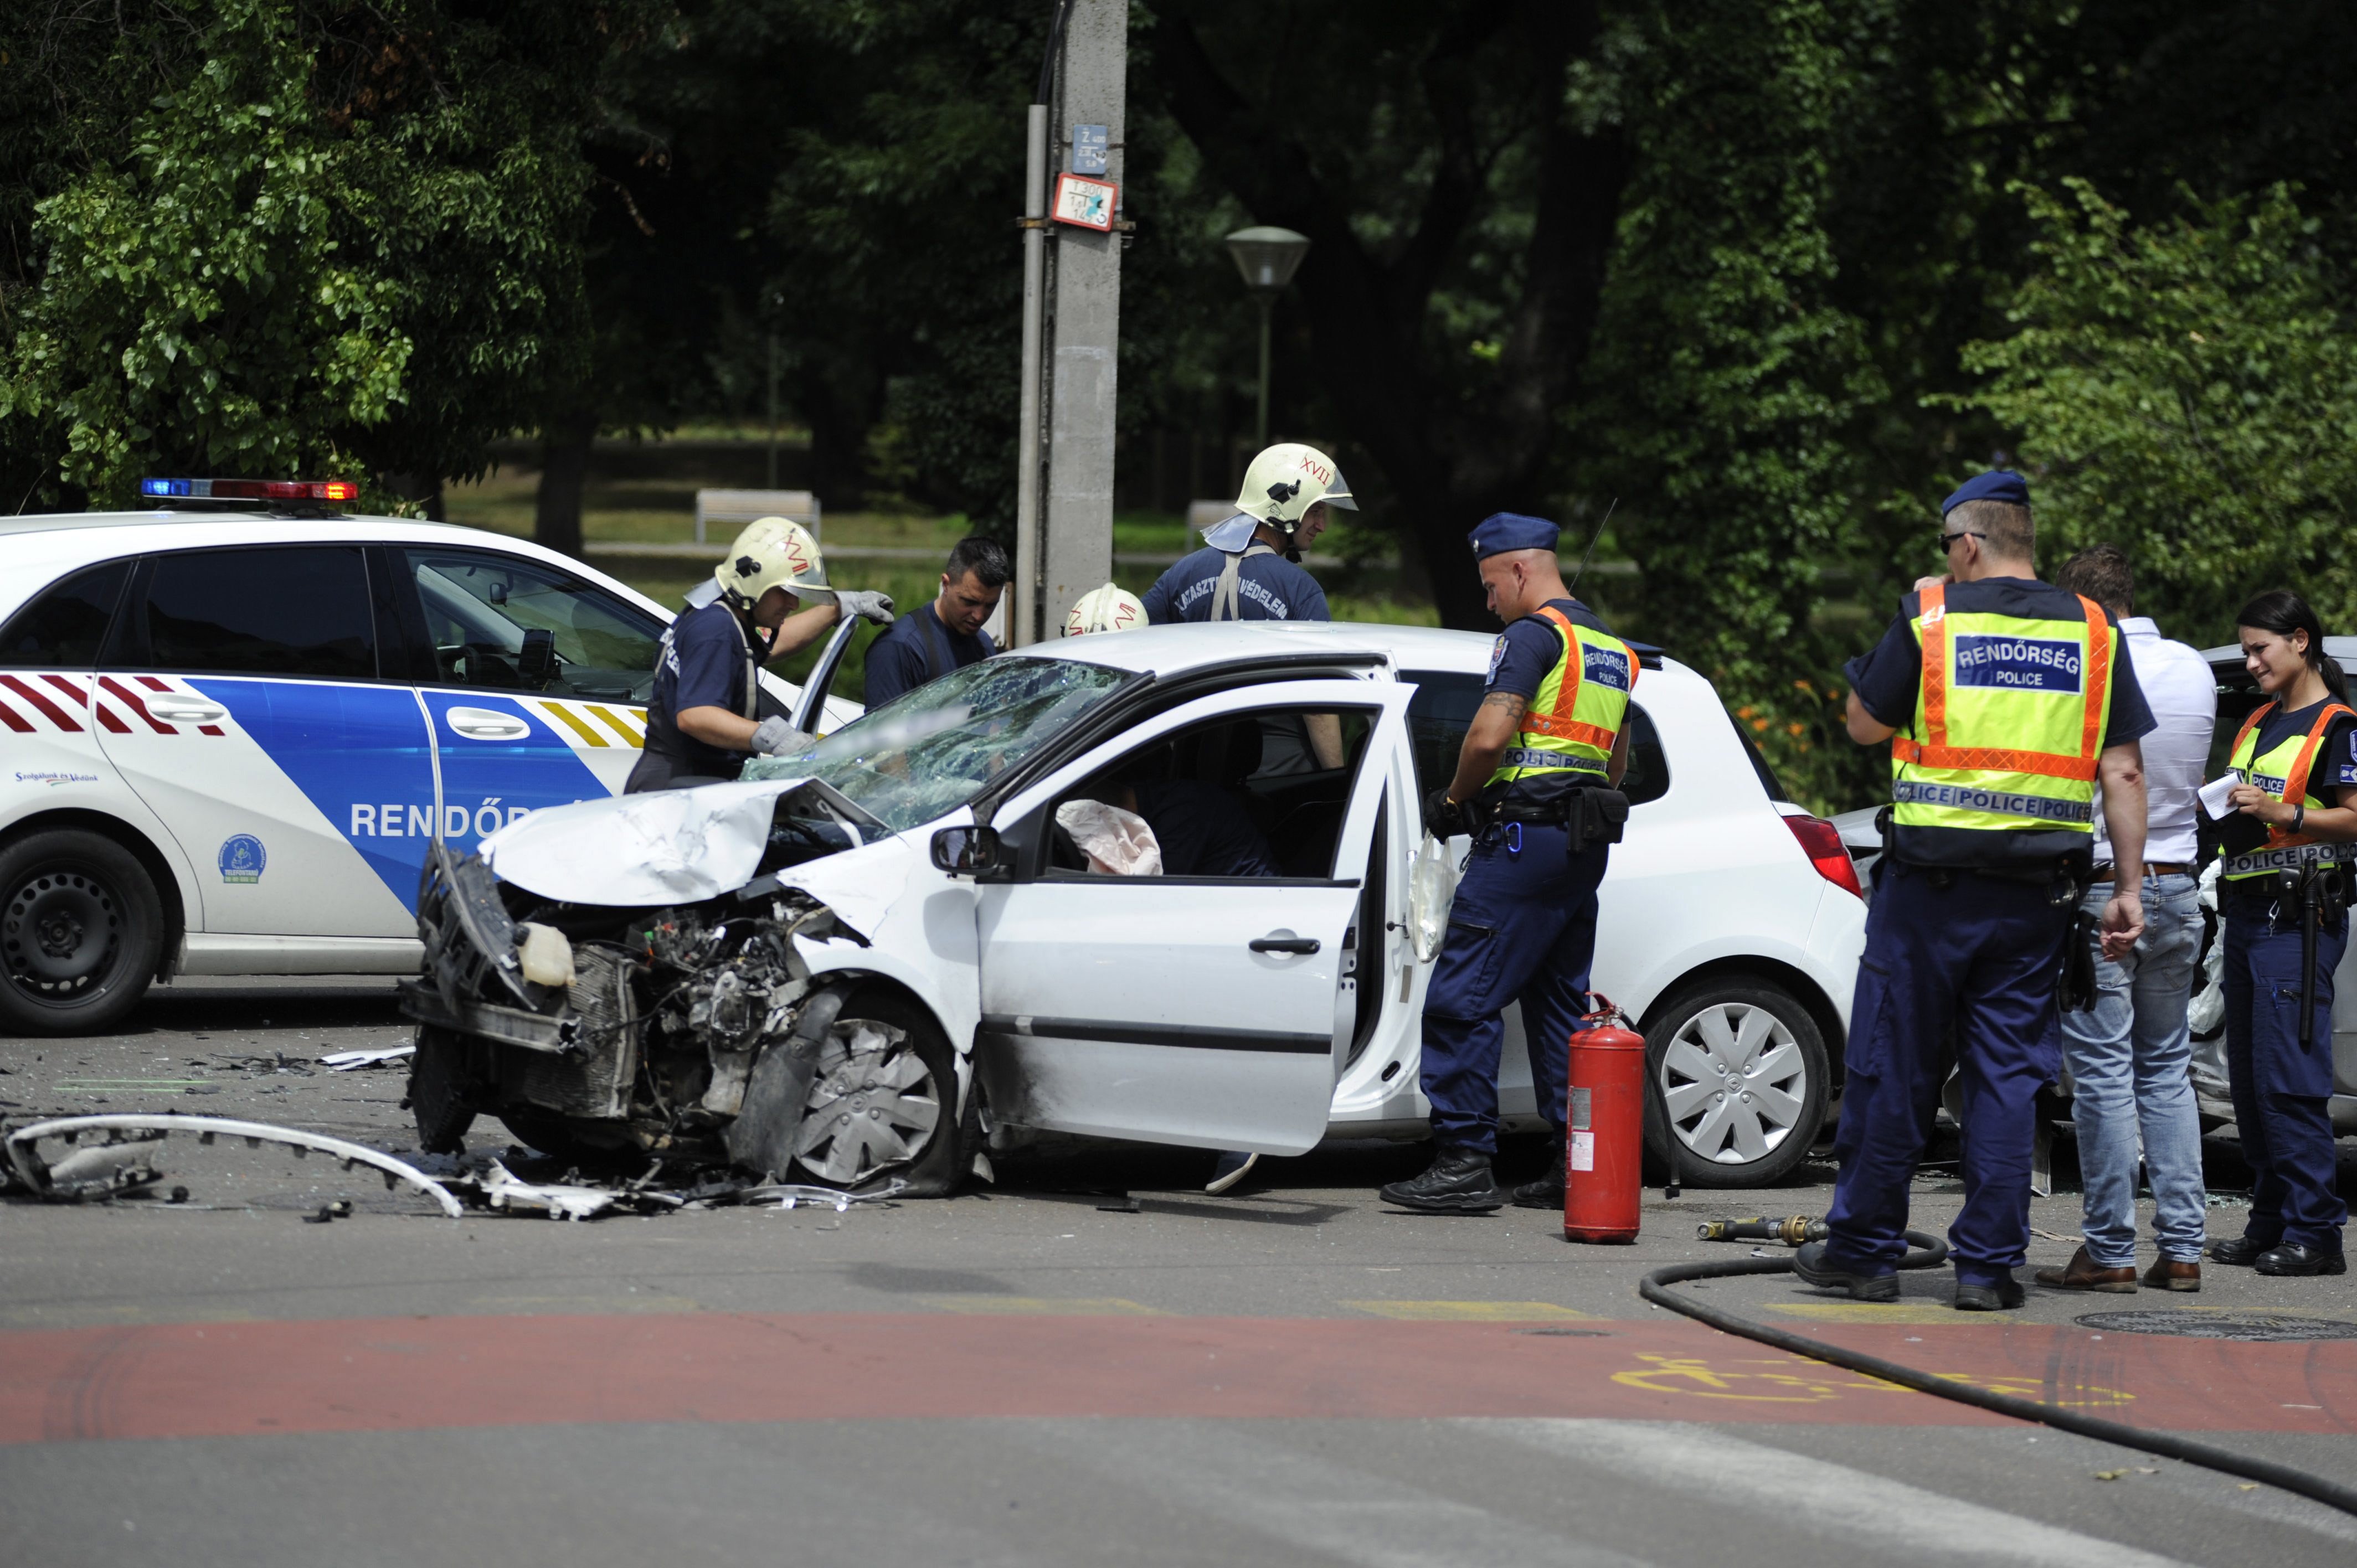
[
  {"x": 289, "y": 236},
  {"x": 1730, "y": 379},
  {"x": 2186, "y": 389}
]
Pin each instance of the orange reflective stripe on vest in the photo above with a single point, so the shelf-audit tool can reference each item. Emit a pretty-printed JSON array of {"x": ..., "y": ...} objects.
[
  {"x": 1559, "y": 723},
  {"x": 1934, "y": 750},
  {"x": 2296, "y": 779}
]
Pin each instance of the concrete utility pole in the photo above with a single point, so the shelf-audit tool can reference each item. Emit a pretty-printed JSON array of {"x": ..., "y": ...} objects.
[{"x": 1071, "y": 539}]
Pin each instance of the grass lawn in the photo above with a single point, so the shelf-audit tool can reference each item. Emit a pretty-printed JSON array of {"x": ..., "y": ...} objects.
[{"x": 648, "y": 511}]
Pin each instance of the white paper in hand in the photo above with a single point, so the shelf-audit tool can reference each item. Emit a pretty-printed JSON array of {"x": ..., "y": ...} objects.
[
  {"x": 2213, "y": 794},
  {"x": 1431, "y": 888}
]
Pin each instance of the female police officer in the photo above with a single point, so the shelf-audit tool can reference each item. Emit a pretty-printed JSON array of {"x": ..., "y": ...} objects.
[{"x": 2284, "y": 888}]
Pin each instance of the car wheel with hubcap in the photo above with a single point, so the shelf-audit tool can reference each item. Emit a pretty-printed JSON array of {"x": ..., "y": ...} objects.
[
  {"x": 883, "y": 1103},
  {"x": 1736, "y": 1092},
  {"x": 81, "y": 929}
]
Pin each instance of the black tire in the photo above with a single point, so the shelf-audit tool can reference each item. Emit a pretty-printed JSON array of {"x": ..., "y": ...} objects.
[
  {"x": 941, "y": 1162},
  {"x": 1707, "y": 1154},
  {"x": 553, "y": 1135},
  {"x": 82, "y": 931},
  {"x": 437, "y": 1090}
]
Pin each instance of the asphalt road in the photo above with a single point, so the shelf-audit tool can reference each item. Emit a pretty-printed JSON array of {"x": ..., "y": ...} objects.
[{"x": 1089, "y": 1361}]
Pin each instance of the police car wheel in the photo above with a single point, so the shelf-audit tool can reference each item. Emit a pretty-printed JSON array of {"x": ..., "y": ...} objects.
[
  {"x": 883, "y": 1105},
  {"x": 80, "y": 932},
  {"x": 1736, "y": 1074}
]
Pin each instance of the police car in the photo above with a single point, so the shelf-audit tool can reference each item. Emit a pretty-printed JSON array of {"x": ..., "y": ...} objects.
[
  {"x": 643, "y": 971},
  {"x": 230, "y": 734}
]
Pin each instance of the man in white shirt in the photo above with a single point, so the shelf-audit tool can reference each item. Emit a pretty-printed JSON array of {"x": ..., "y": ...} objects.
[{"x": 2129, "y": 1055}]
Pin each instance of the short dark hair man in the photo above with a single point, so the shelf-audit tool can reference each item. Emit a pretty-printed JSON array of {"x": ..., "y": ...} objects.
[{"x": 933, "y": 640}]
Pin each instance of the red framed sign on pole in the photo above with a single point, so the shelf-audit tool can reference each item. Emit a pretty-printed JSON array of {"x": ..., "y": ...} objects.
[{"x": 1085, "y": 203}]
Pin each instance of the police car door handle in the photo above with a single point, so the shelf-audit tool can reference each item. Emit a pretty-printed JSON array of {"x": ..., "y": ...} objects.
[
  {"x": 488, "y": 724},
  {"x": 1283, "y": 944},
  {"x": 187, "y": 710}
]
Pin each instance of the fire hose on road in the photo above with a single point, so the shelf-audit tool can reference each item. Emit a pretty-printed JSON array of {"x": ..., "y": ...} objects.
[{"x": 1926, "y": 1252}]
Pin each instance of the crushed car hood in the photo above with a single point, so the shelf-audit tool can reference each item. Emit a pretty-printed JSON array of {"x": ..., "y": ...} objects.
[{"x": 662, "y": 847}]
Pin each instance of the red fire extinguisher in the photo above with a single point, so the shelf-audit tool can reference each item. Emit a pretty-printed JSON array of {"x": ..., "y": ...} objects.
[{"x": 1604, "y": 1156}]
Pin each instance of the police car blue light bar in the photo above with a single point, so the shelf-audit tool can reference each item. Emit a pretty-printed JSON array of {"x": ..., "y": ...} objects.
[{"x": 251, "y": 489}]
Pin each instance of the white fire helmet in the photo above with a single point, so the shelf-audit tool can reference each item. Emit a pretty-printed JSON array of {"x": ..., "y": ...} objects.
[
  {"x": 1104, "y": 609},
  {"x": 1289, "y": 478},
  {"x": 773, "y": 553}
]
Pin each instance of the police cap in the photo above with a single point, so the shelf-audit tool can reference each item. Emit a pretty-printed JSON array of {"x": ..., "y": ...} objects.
[
  {"x": 1504, "y": 530},
  {"x": 1996, "y": 485}
]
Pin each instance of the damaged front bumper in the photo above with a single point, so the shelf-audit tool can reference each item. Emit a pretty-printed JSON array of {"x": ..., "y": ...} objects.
[{"x": 694, "y": 1029}]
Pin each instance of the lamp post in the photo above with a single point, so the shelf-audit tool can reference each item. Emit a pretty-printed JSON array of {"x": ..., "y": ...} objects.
[{"x": 1267, "y": 258}]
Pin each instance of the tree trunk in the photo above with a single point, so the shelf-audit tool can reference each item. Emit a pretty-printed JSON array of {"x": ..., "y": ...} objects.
[{"x": 564, "y": 471}]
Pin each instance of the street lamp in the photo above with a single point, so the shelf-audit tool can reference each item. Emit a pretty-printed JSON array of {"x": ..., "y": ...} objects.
[{"x": 1267, "y": 258}]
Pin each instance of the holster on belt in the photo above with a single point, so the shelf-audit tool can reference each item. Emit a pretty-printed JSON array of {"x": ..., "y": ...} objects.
[
  {"x": 2075, "y": 990},
  {"x": 1590, "y": 812}
]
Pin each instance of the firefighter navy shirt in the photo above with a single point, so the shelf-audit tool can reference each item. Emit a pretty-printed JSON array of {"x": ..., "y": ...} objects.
[
  {"x": 1886, "y": 678},
  {"x": 703, "y": 666},
  {"x": 1527, "y": 650},
  {"x": 1268, "y": 587}
]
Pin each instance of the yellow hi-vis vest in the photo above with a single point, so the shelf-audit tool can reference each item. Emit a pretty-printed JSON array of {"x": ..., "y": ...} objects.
[
  {"x": 2009, "y": 720},
  {"x": 2282, "y": 773},
  {"x": 1576, "y": 712}
]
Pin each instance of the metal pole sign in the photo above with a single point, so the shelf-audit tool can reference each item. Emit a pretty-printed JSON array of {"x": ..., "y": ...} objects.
[
  {"x": 1091, "y": 145},
  {"x": 1086, "y": 203}
]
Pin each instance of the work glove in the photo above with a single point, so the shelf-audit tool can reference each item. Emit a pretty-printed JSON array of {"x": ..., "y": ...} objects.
[
  {"x": 866, "y": 603},
  {"x": 1444, "y": 819},
  {"x": 776, "y": 735}
]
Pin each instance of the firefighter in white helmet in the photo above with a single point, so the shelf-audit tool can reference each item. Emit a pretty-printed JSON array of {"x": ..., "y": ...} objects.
[
  {"x": 704, "y": 719},
  {"x": 1108, "y": 608},
  {"x": 1249, "y": 567}
]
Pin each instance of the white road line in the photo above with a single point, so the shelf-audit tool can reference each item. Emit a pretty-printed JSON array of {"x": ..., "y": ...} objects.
[
  {"x": 1817, "y": 1495},
  {"x": 1230, "y": 1473}
]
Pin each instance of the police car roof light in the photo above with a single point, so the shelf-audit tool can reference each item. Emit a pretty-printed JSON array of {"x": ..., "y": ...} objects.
[{"x": 251, "y": 489}]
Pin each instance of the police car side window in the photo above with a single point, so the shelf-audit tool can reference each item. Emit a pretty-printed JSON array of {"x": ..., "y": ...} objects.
[
  {"x": 65, "y": 625},
  {"x": 502, "y": 622},
  {"x": 266, "y": 610}
]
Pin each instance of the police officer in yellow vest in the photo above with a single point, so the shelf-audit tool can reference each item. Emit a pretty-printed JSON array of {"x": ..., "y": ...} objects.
[
  {"x": 1537, "y": 788},
  {"x": 2004, "y": 700},
  {"x": 2284, "y": 891}
]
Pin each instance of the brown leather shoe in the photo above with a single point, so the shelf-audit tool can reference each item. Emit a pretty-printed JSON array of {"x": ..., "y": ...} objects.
[
  {"x": 2081, "y": 1274},
  {"x": 2168, "y": 1274}
]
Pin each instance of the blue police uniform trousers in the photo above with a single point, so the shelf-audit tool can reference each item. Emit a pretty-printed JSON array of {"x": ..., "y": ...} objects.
[
  {"x": 2279, "y": 1090},
  {"x": 1980, "y": 956},
  {"x": 1523, "y": 926}
]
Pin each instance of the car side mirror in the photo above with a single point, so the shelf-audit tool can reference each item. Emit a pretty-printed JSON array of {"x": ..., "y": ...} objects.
[
  {"x": 536, "y": 660},
  {"x": 968, "y": 852}
]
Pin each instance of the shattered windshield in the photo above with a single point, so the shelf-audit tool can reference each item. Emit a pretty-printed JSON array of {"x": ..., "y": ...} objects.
[{"x": 932, "y": 751}]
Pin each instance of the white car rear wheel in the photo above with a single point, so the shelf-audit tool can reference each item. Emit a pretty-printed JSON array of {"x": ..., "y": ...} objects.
[{"x": 1737, "y": 1073}]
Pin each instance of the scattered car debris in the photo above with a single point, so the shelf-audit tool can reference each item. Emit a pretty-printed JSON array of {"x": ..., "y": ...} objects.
[
  {"x": 43, "y": 1179},
  {"x": 345, "y": 1061},
  {"x": 339, "y": 1210},
  {"x": 499, "y": 1188}
]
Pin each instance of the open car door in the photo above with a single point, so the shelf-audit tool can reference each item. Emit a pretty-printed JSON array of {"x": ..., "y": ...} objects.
[{"x": 1211, "y": 1011}]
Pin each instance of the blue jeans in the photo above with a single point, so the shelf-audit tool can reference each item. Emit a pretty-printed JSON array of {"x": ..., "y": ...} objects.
[{"x": 2130, "y": 1058}]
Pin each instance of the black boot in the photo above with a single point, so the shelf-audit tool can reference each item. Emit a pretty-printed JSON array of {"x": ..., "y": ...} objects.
[
  {"x": 1458, "y": 1183},
  {"x": 1547, "y": 1191},
  {"x": 2242, "y": 1251}
]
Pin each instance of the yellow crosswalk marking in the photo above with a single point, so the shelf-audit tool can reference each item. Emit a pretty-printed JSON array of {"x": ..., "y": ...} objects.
[
  {"x": 1894, "y": 1312},
  {"x": 1474, "y": 1311}
]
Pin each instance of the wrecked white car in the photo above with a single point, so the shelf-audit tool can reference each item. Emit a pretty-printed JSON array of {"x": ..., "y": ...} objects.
[{"x": 913, "y": 943}]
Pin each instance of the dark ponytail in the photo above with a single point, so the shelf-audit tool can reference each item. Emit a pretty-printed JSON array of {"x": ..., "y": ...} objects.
[{"x": 2283, "y": 612}]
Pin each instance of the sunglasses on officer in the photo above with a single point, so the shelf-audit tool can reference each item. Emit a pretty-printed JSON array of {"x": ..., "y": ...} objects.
[{"x": 1948, "y": 541}]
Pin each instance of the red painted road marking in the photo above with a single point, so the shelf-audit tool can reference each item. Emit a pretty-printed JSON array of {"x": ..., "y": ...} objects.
[{"x": 382, "y": 1374}]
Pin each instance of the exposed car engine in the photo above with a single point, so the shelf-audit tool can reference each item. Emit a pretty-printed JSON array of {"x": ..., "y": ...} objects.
[{"x": 696, "y": 1033}]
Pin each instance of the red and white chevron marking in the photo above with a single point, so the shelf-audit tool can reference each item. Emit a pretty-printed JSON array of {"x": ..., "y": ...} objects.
[{"x": 32, "y": 704}]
